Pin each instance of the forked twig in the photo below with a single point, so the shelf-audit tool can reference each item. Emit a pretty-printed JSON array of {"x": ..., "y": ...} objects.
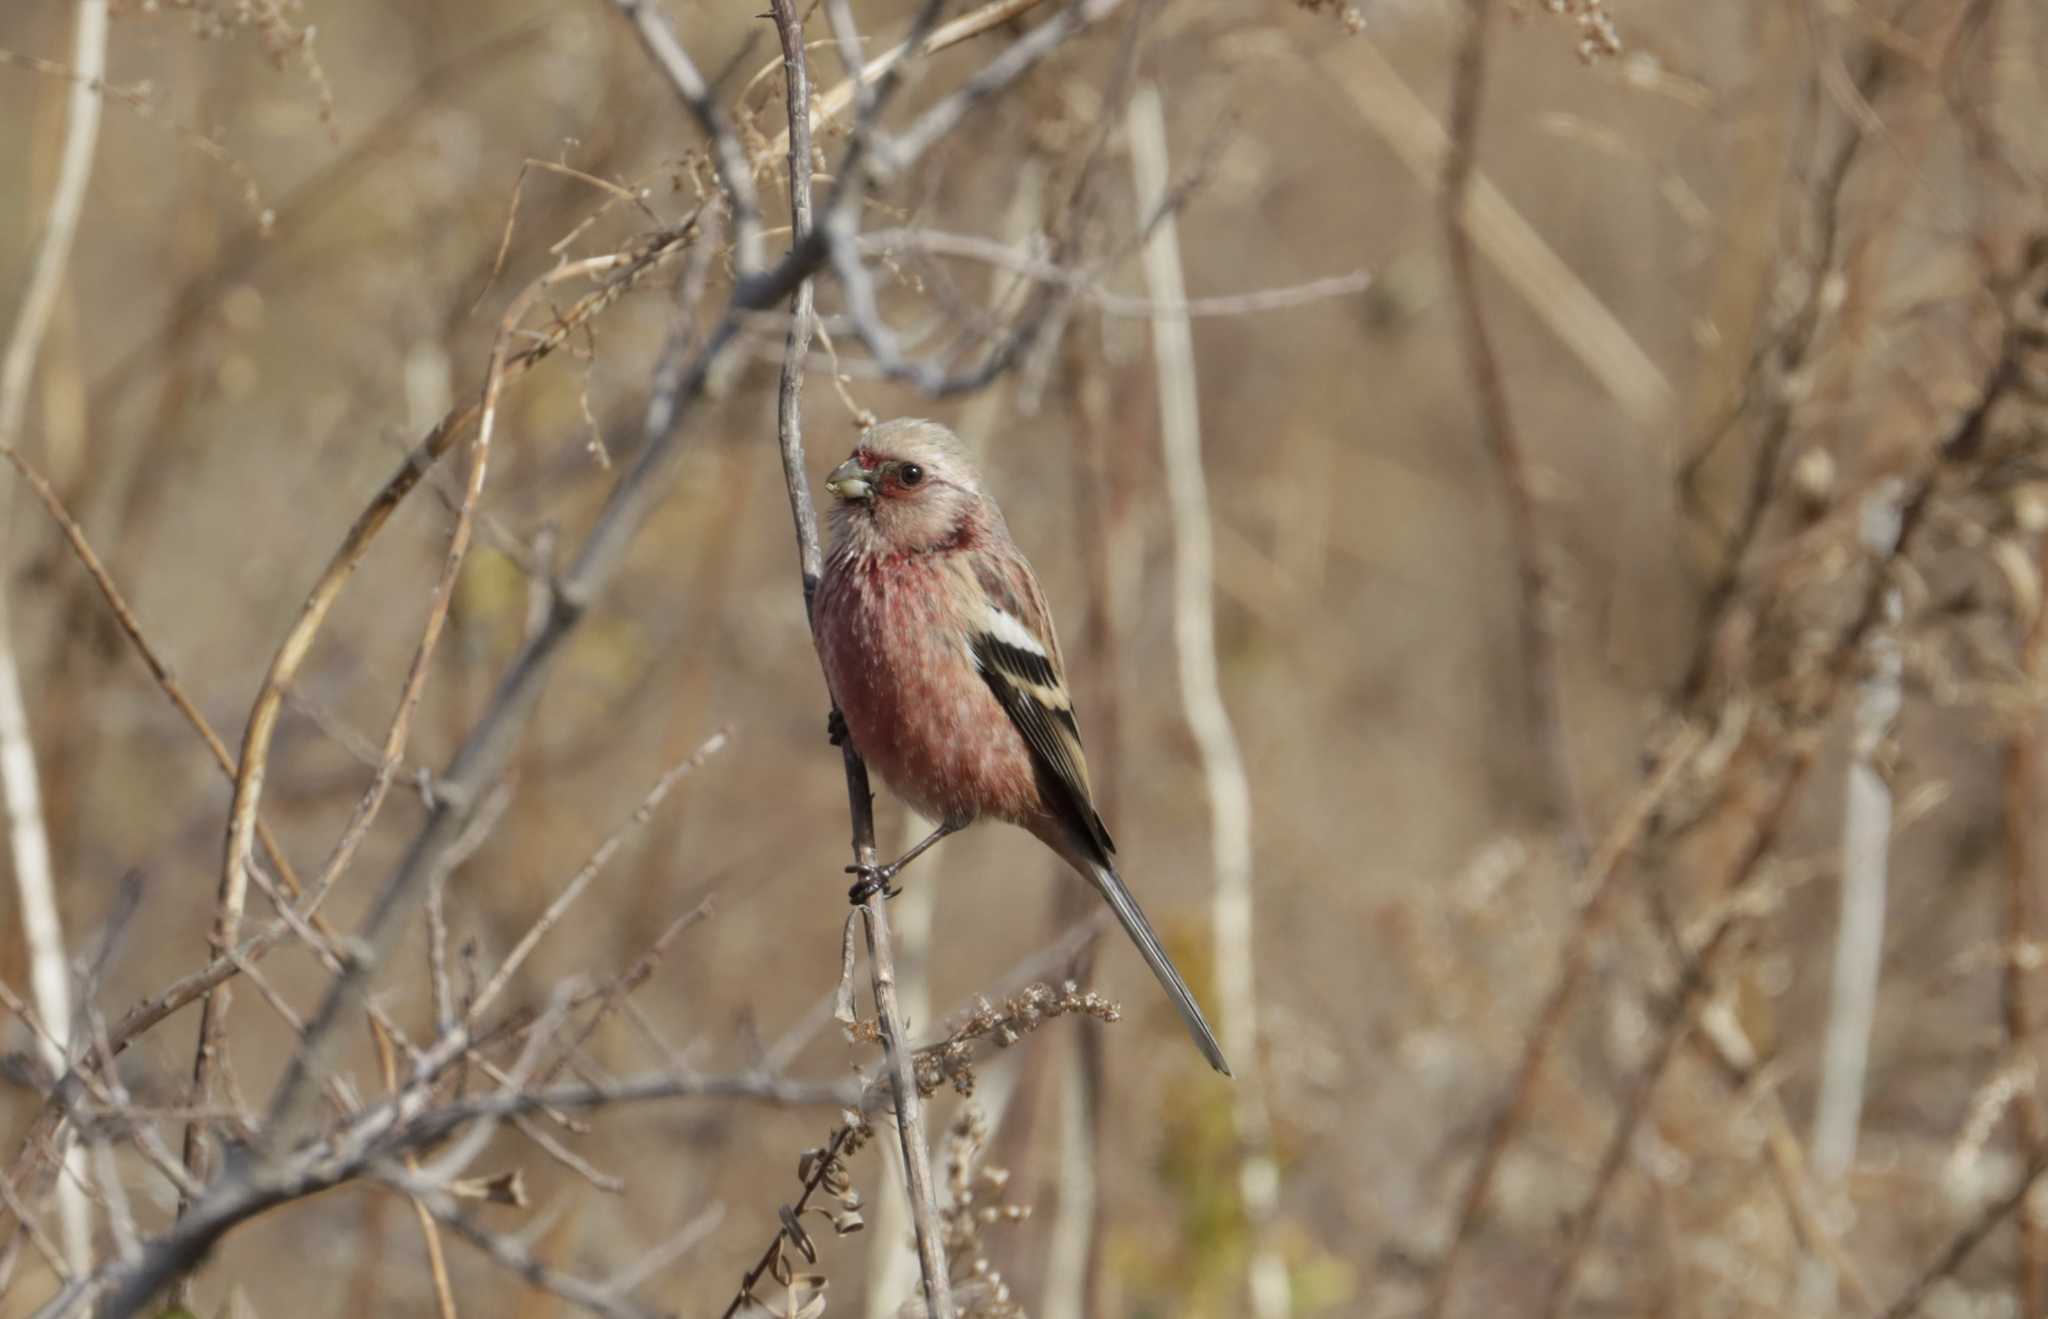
[{"x": 242, "y": 816}]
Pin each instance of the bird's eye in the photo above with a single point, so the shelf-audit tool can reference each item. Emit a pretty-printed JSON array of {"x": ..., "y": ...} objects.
[{"x": 910, "y": 474}]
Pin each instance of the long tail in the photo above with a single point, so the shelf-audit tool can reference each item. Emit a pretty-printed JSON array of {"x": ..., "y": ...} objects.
[{"x": 1133, "y": 920}]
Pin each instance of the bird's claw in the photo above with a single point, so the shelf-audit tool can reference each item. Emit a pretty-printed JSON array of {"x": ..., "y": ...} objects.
[
  {"x": 835, "y": 727},
  {"x": 872, "y": 880}
]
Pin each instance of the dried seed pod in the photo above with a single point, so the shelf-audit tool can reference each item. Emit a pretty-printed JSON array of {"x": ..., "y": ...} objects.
[{"x": 793, "y": 1232}]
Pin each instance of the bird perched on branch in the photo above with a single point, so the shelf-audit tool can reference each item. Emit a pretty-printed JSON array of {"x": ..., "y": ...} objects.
[{"x": 940, "y": 654}]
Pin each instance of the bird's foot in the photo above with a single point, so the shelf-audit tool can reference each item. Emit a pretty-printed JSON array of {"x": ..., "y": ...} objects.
[
  {"x": 835, "y": 727},
  {"x": 872, "y": 880}
]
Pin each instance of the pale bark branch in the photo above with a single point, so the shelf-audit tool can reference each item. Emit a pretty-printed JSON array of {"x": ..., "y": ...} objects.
[
  {"x": 1859, "y": 929},
  {"x": 1194, "y": 629},
  {"x": 20, "y": 787}
]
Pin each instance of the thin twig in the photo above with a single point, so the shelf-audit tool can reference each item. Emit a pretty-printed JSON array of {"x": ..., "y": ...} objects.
[
  {"x": 159, "y": 669},
  {"x": 42, "y": 933},
  {"x": 510, "y": 1252},
  {"x": 944, "y": 115},
  {"x": 462, "y": 790},
  {"x": 432, "y": 1125},
  {"x": 1549, "y": 286},
  {"x": 1543, "y": 695},
  {"x": 28, "y": 839},
  {"x": 297, "y": 644},
  {"x": 235, "y": 871},
  {"x": 1088, "y": 285},
  {"x": 839, "y": 225},
  {"x": 1604, "y": 875},
  {"x": 820, "y": 1169},
  {"x": 923, "y": 1193},
  {"x": 1722, "y": 1039},
  {"x": 1769, "y": 804},
  {"x": 830, "y": 105},
  {"x": 790, "y": 387},
  {"x": 1866, "y": 850},
  {"x": 2021, "y": 788},
  {"x": 910, "y": 1130},
  {"x": 735, "y": 171},
  {"x": 1789, "y": 354},
  {"x": 1966, "y": 1241},
  {"x": 286, "y": 1161},
  {"x": 1194, "y": 632},
  {"x": 589, "y": 871},
  {"x": 381, "y": 1132},
  {"x": 437, "y": 1259},
  {"x": 1543, "y": 672},
  {"x": 680, "y": 1242},
  {"x": 90, "y": 1081}
]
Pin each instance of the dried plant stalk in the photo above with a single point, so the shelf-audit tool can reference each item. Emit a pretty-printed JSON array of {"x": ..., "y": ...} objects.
[
  {"x": 28, "y": 839},
  {"x": 1180, "y": 429}
]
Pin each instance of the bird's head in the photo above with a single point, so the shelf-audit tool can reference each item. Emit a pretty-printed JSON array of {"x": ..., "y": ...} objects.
[{"x": 909, "y": 487}]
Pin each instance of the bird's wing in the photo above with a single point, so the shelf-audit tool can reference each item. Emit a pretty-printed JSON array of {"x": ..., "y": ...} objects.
[{"x": 1018, "y": 656}]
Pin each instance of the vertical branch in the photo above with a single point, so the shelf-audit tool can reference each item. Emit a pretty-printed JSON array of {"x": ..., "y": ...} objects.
[
  {"x": 910, "y": 1129},
  {"x": 1073, "y": 1261},
  {"x": 2022, "y": 791},
  {"x": 1549, "y": 288},
  {"x": 60, "y": 227},
  {"x": 430, "y": 1230},
  {"x": 1859, "y": 934},
  {"x": 789, "y": 401},
  {"x": 1544, "y": 697},
  {"x": 892, "y": 1275},
  {"x": 924, "y": 1197},
  {"x": 1180, "y": 428},
  {"x": 29, "y": 844},
  {"x": 42, "y": 931}
]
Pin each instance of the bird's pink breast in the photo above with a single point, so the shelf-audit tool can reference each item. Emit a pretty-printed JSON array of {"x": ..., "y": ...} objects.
[{"x": 893, "y": 639}]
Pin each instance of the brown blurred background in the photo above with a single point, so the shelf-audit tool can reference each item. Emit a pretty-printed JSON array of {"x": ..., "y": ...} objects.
[{"x": 285, "y": 277}]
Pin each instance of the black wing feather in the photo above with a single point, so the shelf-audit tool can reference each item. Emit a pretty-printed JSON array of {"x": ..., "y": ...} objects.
[{"x": 1016, "y": 677}]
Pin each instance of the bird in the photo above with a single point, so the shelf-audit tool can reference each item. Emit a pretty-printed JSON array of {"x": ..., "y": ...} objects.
[{"x": 939, "y": 652}]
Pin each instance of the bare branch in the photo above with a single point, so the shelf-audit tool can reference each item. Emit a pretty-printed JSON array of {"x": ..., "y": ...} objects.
[
  {"x": 1964, "y": 1243},
  {"x": 789, "y": 396},
  {"x": 833, "y": 103},
  {"x": 1866, "y": 850},
  {"x": 507, "y": 1251},
  {"x": 286, "y": 1160},
  {"x": 1194, "y": 635},
  {"x": 2021, "y": 790},
  {"x": 1551, "y": 289},
  {"x": 734, "y": 170},
  {"x": 1604, "y": 875},
  {"x": 581, "y": 879},
  {"x": 28, "y": 840},
  {"x": 789, "y": 430},
  {"x": 1536, "y": 610},
  {"x": 1089, "y": 287}
]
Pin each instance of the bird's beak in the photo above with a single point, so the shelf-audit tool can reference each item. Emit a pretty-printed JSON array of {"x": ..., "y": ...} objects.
[{"x": 850, "y": 480}]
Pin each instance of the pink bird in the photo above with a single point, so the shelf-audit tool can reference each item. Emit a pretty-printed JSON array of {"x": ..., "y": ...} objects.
[{"x": 940, "y": 654}]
